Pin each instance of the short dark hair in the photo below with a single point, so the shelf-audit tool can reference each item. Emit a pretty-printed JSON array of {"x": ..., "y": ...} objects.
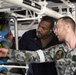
[
  {"x": 49, "y": 19},
  {"x": 4, "y": 18},
  {"x": 68, "y": 19}
]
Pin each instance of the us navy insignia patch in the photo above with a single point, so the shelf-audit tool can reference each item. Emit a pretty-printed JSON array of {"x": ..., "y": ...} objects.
[{"x": 59, "y": 54}]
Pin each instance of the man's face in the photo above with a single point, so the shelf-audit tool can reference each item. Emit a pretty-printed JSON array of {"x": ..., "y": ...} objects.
[
  {"x": 60, "y": 30},
  {"x": 43, "y": 29}
]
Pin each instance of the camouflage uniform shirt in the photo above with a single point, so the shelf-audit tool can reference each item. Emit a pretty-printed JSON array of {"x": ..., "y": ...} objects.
[{"x": 64, "y": 58}]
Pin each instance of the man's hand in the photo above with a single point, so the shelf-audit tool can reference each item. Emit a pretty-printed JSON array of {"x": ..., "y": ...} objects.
[
  {"x": 3, "y": 52},
  {"x": 9, "y": 37}
]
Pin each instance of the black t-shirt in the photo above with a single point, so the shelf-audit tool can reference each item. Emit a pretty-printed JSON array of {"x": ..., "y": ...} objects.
[{"x": 29, "y": 41}]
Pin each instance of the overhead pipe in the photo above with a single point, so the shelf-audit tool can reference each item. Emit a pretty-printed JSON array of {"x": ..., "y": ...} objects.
[
  {"x": 69, "y": 4},
  {"x": 16, "y": 31},
  {"x": 35, "y": 7}
]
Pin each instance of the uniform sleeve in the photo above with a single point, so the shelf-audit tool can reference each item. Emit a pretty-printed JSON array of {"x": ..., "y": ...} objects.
[
  {"x": 49, "y": 54},
  {"x": 31, "y": 56},
  {"x": 23, "y": 56}
]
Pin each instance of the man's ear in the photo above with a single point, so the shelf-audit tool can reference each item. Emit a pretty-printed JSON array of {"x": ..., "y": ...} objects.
[{"x": 68, "y": 26}]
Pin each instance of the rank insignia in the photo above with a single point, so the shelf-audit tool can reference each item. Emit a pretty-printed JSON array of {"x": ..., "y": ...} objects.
[{"x": 59, "y": 54}]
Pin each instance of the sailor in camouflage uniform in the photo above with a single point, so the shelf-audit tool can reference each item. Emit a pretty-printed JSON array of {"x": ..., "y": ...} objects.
[
  {"x": 65, "y": 59},
  {"x": 64, "y": 54}
]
